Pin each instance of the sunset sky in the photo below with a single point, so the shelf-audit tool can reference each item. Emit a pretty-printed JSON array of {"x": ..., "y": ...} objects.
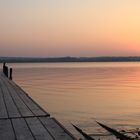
[{"x": 48, "y": 28}]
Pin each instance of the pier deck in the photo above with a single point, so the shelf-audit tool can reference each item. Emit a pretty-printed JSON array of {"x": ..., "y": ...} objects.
[{"x": 21, "y": 118}]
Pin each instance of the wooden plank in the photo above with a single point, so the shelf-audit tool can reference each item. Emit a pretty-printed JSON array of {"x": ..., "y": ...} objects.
[
  {"x": 38, "y": 130},
  {"x": 55, "y": 129},
  {"x": 22, "y": 131},
  {"x": 6, "y": 130},
  {"x": 11, "y": 107},
  {"x": 36, "y": 109},
  {"x": 22, "y": 107},
  {"x": 3, "y": 111}
]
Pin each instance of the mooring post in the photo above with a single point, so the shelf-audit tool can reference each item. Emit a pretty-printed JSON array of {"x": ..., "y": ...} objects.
[
  {"x": 6, "y": 71},
  {"x": 4, "y": 67},
  {"x": 11, "y": 72}
]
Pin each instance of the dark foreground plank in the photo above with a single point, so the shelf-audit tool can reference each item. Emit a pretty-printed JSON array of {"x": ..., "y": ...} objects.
[
  {"x": 55, "y": 129},
  {"x": 6, "y": 130},
  {"x": 22, "y": 131},
  {"x": 38, "y": 129},
  {"x": 3, "y": 110}
]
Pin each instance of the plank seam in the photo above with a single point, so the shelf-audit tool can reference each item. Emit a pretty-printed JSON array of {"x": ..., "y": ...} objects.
[
  {"x": 24, "y": 117},
  {"x": 30, "y": 129}
]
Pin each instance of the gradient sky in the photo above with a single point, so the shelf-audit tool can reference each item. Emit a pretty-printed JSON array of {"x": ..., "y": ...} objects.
[{"x": 69, "y": 27}]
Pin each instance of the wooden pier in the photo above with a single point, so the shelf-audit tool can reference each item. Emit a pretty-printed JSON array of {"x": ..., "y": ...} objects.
[{"x": 21, "y": 118}]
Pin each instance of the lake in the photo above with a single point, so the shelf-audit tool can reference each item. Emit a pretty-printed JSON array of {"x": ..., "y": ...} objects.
[{"x": 81, "y": 93}]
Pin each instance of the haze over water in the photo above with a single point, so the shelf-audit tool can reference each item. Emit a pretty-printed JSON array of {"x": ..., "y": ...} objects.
[{"x": 81, "y": 93}]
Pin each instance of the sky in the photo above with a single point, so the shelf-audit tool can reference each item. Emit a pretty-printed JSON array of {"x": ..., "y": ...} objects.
[{"x": 54, "y": 28}]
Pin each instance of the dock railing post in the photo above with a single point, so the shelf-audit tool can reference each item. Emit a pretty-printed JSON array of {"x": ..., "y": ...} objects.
[
  {"x": 4, "y": 67},
  {"x": 11, "y": 72},
  {"x": 6, "y": 71}
]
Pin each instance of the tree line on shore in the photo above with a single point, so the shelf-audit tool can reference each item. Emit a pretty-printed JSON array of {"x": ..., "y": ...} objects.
[{"x": 68, "y": 59}]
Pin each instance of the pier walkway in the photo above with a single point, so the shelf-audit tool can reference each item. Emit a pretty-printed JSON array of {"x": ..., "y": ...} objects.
[{"x": 21, "y": 118}]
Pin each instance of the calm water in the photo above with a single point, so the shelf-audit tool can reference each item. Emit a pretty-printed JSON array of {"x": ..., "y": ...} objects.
[{"x": 81, "y": 93}]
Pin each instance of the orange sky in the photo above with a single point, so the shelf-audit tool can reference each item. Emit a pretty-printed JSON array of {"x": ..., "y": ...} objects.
[{"x": 69, "y": 27}]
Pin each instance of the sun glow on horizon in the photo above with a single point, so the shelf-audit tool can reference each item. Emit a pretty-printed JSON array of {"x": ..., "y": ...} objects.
[{"x": 70, "y": 27}]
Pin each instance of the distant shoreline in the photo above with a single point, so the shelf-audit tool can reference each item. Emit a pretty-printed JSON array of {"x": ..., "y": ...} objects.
[{"x": 67, "y": 59}]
